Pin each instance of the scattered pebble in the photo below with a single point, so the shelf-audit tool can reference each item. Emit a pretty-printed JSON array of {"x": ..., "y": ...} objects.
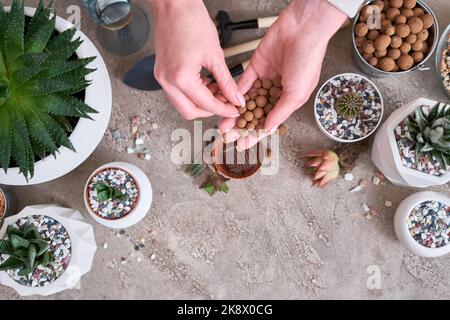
[
  {"x": 60, "y": 247},
  {"x": 349, "y": 177},
  {"x": 388, "y": 204},
  {"x": 365, "y": 207},
  {"x": 113, "y": 208},
  {"x": 153, "y": 256},
  {"x": 376, "y": 181},
  {"x": 336, "y": 125},
  {"x": 429, "y": 224},
  {"x": 139, "y": 259},
  {"x": 105, "y": 245},
  {"x": 368, "y": 216}
]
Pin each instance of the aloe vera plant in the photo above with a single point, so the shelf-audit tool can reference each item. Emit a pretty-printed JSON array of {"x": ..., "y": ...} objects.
[
  {"x": 431, "y": 132},
  {"x": 105, "y": 192},
  {"x": 39, "y": 78},
  {"x": 26, "y": 249}
]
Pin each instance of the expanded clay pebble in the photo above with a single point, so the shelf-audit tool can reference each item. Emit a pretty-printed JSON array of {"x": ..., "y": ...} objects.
[
  {"x": 418, "y": 12},
  {"x": 382, "y": 42},
  {"x": 387, "y": 64},
  {"x": 394, "y": 53},
  {"x": 402, "y": 30},
  {"x": 417, "y": 56},
  {"x": 405, "y": 47},
  {"x": 427, "y": 20},
  {"x": 411, "y": 38},
  {"x": 406, "y": 12},
  {"x": 417, "y": 46},
  {"x": 392, "y": 13},
  {"x": 368, "y": 47},
  {"x": 415, "y": 24},
  {"x": 409, "y": 3},
  {"x": 423, "y": 35},
  {"x": 405, "y": 62},
  {"x": 400, "y": 19},
  {"x": 396, "y": 42},
  {"x": 261, "y": 99},
  {"x": 361, "y": 29},
  {"x": 373, "y": 35},
  {"x": 396, "y": 3}
]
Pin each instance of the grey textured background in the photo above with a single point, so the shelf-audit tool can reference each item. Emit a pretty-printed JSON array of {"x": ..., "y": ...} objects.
[{"x": 270, "y": 237}]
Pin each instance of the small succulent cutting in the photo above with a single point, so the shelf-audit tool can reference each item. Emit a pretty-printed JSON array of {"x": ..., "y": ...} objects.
[
  {"x": 323, "y": 165},
  {"x": 349, "y": 105},
  {"x": 431, "y": 133},
  {"x": 213, "y": 183},
  {"x": 26, "y": 249},
  {"x": 39, "y": 77},
  {"x": 106, "y": 193}
]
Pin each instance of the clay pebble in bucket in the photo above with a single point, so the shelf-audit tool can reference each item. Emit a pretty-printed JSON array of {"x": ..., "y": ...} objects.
[
  {"x": 2, "y": 205},
  {"x": 404, "y": 26}
]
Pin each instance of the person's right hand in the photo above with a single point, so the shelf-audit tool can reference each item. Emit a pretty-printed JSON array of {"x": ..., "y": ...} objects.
[{"x": 186, "y": 40}]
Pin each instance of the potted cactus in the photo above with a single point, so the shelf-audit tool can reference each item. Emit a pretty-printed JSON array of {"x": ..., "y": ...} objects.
[
  {"x": 53, "y": 86},
  {"x": 413, "y": 146}
]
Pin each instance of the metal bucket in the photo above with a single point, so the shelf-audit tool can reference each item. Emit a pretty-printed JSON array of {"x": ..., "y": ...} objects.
[
  {"x": 364, "y": 66},
  {"x": 10, "y": 204}
]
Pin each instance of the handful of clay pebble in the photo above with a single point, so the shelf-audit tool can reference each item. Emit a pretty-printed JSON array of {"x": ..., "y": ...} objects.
[
  {"x": 261, "y": 99},
  {"x": 402, "y": 41}
]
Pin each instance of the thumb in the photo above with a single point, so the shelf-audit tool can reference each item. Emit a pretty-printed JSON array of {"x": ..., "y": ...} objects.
[{"x": 227, "y": 85}]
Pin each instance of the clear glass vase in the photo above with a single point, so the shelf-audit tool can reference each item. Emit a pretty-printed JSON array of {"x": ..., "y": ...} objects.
[{"x": 122, "y": 26}]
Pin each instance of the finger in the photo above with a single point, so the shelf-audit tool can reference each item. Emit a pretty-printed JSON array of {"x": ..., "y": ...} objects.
[
  {"x": 283, "y": 109},
  {"x": 184, "y": 106},
  {"x": 247, "y": 79},
  {"x": 251, "y": 140},
  {"x": 226, "y": 124},
  {"x": 204, "y": 99},
  {"x": 231, "y": 135},
  {"x": 227, "y": 85}
]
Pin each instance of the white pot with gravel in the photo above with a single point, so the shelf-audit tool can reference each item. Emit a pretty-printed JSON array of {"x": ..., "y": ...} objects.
[
  {"x": 422, "y": 223},
  {"x": 34, "y": 157},
  {"x": 348, "y": 108},
  {"x": 45, "y": 249},
  {"x": 118, "y": 195},
  {"x": 412, "y": 147}
]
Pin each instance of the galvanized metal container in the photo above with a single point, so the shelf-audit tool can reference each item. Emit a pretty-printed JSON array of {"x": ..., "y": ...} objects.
[
  {"x": 432, "y": 41},
  {"x": 443, "y": 43}
]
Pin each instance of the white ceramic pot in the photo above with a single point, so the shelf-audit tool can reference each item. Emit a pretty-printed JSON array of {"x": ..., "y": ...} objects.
[
  {"x": 88, "y": 133},
  {"x": 401, "y": 227},
  {"x": 145, "y": 197},
  {"x": 386, "y": 157},
  {"x": 82, "y": 237},
  {"x": 328, "y": 134}
]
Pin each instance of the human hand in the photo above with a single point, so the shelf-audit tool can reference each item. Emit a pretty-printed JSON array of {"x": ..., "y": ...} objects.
[
  {"x": 293, "y": 48},
  {"x": 186, "y": 40}
]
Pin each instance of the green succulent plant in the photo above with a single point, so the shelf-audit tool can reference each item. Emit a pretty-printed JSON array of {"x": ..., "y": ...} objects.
[
  {"x": 431, "y": 132},
  {"x": 26, "y": 249},
  {"x": 349, "y": 105},
  {"x": 39, "y": 77},
  {"x": 105, "y": 192}
]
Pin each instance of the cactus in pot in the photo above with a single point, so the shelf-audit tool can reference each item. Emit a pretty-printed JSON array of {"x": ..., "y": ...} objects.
[{"x": 349, "y": 105}]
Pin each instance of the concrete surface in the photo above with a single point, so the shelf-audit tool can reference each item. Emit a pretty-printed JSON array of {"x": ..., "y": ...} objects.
[{"x": 271, "y": 237}]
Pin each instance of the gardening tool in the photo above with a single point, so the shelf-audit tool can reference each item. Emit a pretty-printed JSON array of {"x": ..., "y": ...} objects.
[
  {"x": 226, "y": 27},
  {"x": 141, "y": 75}
]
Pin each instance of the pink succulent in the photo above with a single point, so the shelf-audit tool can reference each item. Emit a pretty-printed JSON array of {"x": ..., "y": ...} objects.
[{"x": 323, "y": 166}]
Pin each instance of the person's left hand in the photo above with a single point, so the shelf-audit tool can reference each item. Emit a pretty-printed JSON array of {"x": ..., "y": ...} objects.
[{"x": 293, "y": 48}]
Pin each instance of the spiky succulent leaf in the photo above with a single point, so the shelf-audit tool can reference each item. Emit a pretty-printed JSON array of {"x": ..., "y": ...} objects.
[
  {"x": 26, "y": 249},
  {"x": 38, "y": 79},
  {"x": 349, "y": 105},
  {"x": 431, "y": 133},
  {"x": 11, "y": 263}
]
